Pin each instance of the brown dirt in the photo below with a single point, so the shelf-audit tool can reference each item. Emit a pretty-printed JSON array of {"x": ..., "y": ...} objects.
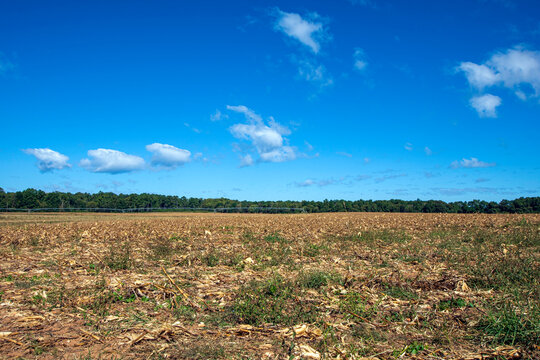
[{"x": 85, "y": 286}]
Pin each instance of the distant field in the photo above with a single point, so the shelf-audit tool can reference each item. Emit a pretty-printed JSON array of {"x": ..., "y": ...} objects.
[
  {"x": 29, "y": 218},
  {"x": 252, "y": 286}
]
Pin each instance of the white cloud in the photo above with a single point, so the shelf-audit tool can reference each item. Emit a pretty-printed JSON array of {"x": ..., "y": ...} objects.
[
  {"x": 479, "y": 76},
  {"x": 48, "y": 159},
  {"x": 306, "y": 183},
  {"x": 470, "y": 163},
  {"x": 262, "y": 136},
  {"x": 486, "y": 105},
  {"x": 428, "y": 151},
  {"x": 111, "y": 161},
  {"x": 218, "y": 116},
  {"x": 517, "y": 69},
  {"x": 408, "y": 146},
  {"x": 281, "y": 154},
  {"x": 168, "y": 155},
  {"x": 315, "y": 73},
  {"x": 246, "y": 160},
  {"x": 266, "y": 138},
  {"x": 308, "y": 33},
  {"x": 360, "y": 62},
  {"x": 248, "y": 113}
]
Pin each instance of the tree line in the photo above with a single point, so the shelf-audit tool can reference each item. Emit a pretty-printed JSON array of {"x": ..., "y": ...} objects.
[{"x": 37, "y": 199}]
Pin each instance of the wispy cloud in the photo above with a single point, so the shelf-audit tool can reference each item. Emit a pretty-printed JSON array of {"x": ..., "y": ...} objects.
[
  {"x": 368, "y": 3},
  {"x": 248, "y": 113},
  {"x": 360, "y": 61},
  {"x": 48, "y": 159},
  {"x": 111, "y": 161},
  {"x": 463, "y": 191},
  {"x": 267, "y": 138},
  {"x": 167, "y": 155},
  {"x": 389, "y": 177},
  {"x": 218, "y": 115},
  {"x": 315, "y": 73},
  {"x": 344, "y": 180},
  {"x": 481, "y": 180},
  {"x": 486, "y": 105},
  {"x": 362, "y": 177},
  {"x": 428, "y": 151},
  {"x": 308, "y": 32},
  {"x": 342, "y": 153},
  {"x": 246, "y": 160},
  {"x": 471, "y": 163},
  {"x": 195, "y": 130},
  {"x": 5, "y": 64},
  {"x": 408, "y": 146}
]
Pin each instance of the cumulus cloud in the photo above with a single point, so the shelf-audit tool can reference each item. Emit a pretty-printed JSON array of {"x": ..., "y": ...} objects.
[
  {"x": 306, "y": 32},
  {"x": 479, "y": 76},
  {"x": 486, "y": 105},
  {"x": 360, "y": 62},
  {"x": 471, "y": 163},
  {"x": 48, "y": 159},
  {"x": 111, "y": 161},
  {"x": 267, "y": 138},
  {"x": 168, "y": 155},
  {"x": 517, "y": 69}
]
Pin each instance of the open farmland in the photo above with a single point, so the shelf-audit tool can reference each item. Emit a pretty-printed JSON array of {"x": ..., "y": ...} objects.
[{"x": 252, "y": 286}]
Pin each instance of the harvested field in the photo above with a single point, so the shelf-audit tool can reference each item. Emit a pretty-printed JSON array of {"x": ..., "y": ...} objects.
[{"x": 252, "y": 286}]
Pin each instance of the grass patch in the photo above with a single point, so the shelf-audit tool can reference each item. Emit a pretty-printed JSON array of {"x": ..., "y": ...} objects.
[
  {"x": 313, "y": 250},
  {"x": 355, "y": 307},
  {"x": 453, "y": 303},
  {"x": 271, "y": 301},
  {"x": 506, "y": 324},
  {"x": 399, "y": 292},
  {"x": 162, "y": 249},
  {"x": 315, "y": 279},
  {"x": 119, "y": 256}
]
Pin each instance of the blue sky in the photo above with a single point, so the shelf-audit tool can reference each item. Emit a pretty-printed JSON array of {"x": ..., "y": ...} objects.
[{"x": 260, "y": 100}]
